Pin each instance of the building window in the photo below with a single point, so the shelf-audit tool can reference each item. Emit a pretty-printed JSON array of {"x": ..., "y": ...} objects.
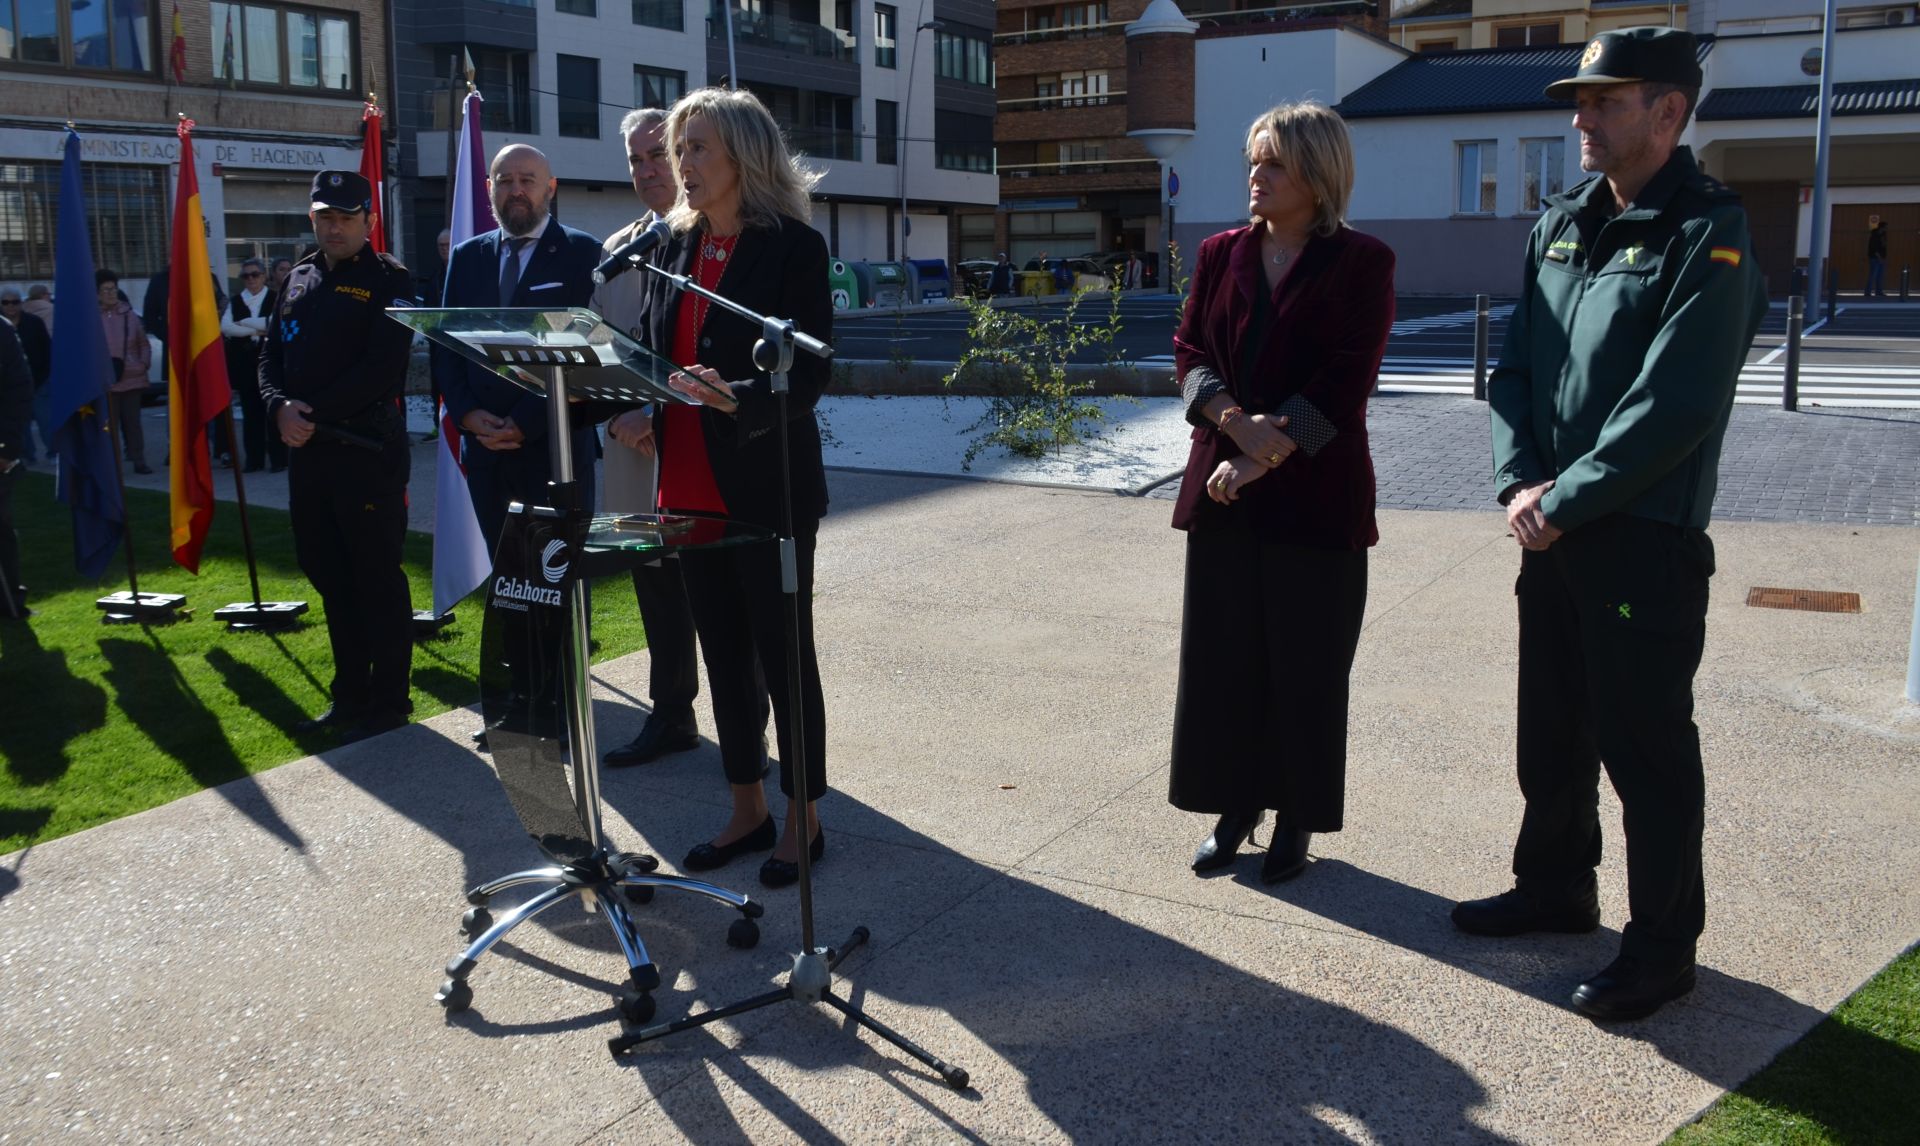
[
  {"x": 963, "y": 142},
  {"x": 1542, "y": 162},
  {"x": 1083, "y": 150},
  {"x": 505, "y": 80},
  {"x": 126, "y": 218},
  {"x": 968, "y": 58},
  {"x": 1430, "y": 47},
  {"x": 302, "y": 48},
  {"x": 657, "y": 87},
  {"x": 578, "y": 81},
  {"x": 1477, "y": 179},
  {"x": 1083, "y": 89},
  {"x": 886, "y": 25},
  {"x": 1078, "y": 18},
  {"x": 97, "y": 35},
  {"x": 668, "y": 14},
  {"x": 886, "y": 131},
  {"x": 1526, "y": 35},
  {"x": 577, "y": 7}
]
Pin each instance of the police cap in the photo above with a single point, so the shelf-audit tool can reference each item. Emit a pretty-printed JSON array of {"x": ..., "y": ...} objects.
[
  {"x": 1635, "y": 56},
  {"x": 341, "y": 191}
]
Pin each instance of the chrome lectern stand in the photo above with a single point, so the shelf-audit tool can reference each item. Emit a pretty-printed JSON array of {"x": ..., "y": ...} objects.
[{"x": 539, "y": 720}]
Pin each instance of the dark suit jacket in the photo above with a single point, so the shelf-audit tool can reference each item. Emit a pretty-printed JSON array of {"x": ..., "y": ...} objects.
[
  {"x": 559, "y": 273},
  {"x": 780, "y": 272},
  {"x": 1320, "y": 344}
]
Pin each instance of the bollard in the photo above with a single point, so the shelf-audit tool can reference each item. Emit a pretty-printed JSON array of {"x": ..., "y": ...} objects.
[
  {"x": 1479, "y": 348},
  {"x": 1798, "y": 283},
  {"x": 1790, "y": 385},
  {"x": 1833, "y": 292},
  {"x": 1904, "y": 271}
]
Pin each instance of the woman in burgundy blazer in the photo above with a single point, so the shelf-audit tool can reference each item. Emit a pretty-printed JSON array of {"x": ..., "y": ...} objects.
[{"x": 1277, "y": 352}]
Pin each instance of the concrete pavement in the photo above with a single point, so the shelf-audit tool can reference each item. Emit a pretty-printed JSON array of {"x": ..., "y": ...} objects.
[{"x": 257, "y": 961}]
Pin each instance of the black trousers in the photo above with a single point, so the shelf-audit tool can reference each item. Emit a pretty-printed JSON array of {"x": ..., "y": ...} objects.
[
  {"x": 661, "y": 593},
  {"x": 1267, "y": 638},
  {"x": 741, "y": 616},
  {"x": 497, "y": 478},
  {"x": 260, "y": 442},
  {"x": 349, "y": 521},
  {"x": 1612, "y": 625},
  {"x": 13, "y": 595}
]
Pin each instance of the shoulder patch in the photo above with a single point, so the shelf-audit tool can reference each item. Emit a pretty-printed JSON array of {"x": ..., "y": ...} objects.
[{"x": 391, "y": 262}]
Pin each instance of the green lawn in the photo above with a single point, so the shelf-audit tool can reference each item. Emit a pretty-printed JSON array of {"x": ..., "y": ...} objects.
[
  {"x": 100, "y": 721},
  {"x": 1855, "y": 1078}
]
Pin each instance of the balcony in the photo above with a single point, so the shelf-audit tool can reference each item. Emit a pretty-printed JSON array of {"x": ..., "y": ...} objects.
[
  {"x": 823, "y": 143},
  {"x": 1262, "y": 19},
  {"x": 509, "y": 112},
  {"x": 784, "y": 34},
  {"x": 1051, "y": 102},
  {"x": 1074, "y": 177}
]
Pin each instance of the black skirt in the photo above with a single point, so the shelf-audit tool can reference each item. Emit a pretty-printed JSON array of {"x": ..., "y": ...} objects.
[{"x": 1267, "y": 637}]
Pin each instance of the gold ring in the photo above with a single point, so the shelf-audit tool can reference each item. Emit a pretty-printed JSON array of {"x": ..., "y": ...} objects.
[{"x": 1273, "y": 459}]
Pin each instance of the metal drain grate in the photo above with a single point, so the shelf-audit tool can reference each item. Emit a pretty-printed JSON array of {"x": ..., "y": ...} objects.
[{"x": 1807, "y": 600}]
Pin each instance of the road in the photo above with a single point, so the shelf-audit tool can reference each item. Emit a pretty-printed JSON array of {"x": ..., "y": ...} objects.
[{"x": 1868, "y": 356}]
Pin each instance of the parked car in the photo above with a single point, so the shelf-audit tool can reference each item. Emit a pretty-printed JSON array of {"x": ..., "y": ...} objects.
[{"x": 972, "y": 276}]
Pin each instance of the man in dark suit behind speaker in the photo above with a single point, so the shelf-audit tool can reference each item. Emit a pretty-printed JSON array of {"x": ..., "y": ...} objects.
[{"x": 530, "y": 260}]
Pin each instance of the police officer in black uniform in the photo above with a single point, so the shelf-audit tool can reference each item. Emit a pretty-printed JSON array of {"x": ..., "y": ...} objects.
[{"x": 330, "y": 377}]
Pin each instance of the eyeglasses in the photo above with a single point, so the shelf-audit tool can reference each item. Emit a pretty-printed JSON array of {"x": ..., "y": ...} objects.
[
  {"x": 9, "y": 302},
  {"x": 253, "y": 274}
]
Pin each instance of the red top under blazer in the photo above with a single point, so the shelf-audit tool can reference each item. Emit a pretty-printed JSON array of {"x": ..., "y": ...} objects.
[{"x": 1326, "y": 331}]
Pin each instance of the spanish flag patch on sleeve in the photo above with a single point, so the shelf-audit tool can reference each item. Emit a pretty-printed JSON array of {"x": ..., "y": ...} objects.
[{"x": 1727, "y": 255}]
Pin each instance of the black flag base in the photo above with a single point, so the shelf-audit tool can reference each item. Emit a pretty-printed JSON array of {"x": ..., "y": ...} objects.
[
  {"x": 261, "y": 616},
  {"x": 427, "y": 623},
  {"x": 124, "y": 608}
]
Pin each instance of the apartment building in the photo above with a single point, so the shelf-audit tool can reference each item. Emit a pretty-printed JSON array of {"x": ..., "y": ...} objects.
[
  {"x": 884, "y": 99},
  {"x": 275, "y": 90},
  {"x": 1460, "y": 25},
  {"x": 1071, "y": 178}
]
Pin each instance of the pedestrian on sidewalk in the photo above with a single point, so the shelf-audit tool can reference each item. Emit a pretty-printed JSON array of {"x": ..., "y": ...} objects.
[
  {"x": 1639, "y": 299},
  {"x": 1876, "y": 261},
  {"x": 1276, "y": 356}
]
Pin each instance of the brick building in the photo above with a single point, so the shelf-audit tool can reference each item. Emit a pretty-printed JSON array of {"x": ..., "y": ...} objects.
[
  {"x": 1071, "y": 180},
  {"x": 276, "y": 91}
]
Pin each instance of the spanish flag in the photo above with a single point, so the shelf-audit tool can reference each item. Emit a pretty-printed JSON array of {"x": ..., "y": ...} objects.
[
  {"x": 1727, "y": 255},
  {"x": 197, "y": 389}
]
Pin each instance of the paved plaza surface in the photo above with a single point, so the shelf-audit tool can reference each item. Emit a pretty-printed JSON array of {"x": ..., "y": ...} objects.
[{"x": 257, "y": 962}]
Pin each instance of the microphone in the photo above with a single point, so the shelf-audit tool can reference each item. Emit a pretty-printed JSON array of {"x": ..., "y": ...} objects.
[{"x": 624, "y": 258}]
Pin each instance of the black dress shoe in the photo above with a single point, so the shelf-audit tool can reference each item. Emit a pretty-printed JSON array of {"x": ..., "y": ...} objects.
[
  {"x": 333, "y": 717},
  {"x": 1631, "y": 989},
  {"x": 480, "y": 740},
  {"x": 1286, "y": 855},
  {"x": 372, "y": 726},
  {"x": 1519, "y": 911},
  {"x": 782, "y": 873},
  {"x": 659, "y": 736},
  {"x": 253, "y": 467},
  {"x": 706, "y": 857},
  {"x": 1218, "y": 849},
  {"x": 277, "y": 467}
]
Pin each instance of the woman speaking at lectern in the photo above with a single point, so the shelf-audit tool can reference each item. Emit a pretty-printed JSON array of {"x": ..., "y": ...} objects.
[
  {"x": 1277, "y": 351},
  {"x": 740, "y": 229}
]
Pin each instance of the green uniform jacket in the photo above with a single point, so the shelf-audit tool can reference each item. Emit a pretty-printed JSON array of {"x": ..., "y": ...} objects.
[{"x": 1618, "y": 373}]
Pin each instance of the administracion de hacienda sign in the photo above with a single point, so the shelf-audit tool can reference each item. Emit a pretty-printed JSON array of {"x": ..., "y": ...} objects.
[{"x": 304, "y": 158}]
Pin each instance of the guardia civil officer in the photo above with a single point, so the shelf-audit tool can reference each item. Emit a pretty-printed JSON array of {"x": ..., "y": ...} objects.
[
  {"x": 1639, "y": 299},
  {"x": 330, "y": 376}
]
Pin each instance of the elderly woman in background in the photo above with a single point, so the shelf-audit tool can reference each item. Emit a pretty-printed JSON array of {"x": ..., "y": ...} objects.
[
  {"x": 740, "y": 228},
  {"x": 132, "y": 356},
  {"x": 1277, "y": 352}
]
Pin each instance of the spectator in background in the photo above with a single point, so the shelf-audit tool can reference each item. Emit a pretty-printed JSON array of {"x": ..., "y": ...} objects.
[
  {"x": 153, "y": 313},
  {"x": 16, "y": 400},
  {"x": 132, "y": 356},
  {"x": 39, "y": 304},
  {"x": 37, "y": 342},
  {"x": 242, "y": 329},
  {"x": 1000, "y": 279},
  {"x": 435, "y": 292},
  {"x": 1876, "y": 261},
  {"x": 1135, "y": 272},
  {"x": 282, "y": 267}
]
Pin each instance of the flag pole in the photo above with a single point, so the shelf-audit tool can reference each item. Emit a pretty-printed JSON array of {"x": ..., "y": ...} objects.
[
  {"x": 131, "y": 607},
  {"x": 260, "y": 616}
]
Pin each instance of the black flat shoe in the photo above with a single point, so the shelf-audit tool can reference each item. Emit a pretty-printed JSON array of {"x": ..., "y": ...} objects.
[
  {"x": 1630, "y": 989},
  {"x": 1519, "y": 911},
  {"x": 781, "y": 873},
  {"x": 480, "y": 740},
  {"x": 659, "y": 736},
  {"x": 1218, "y": 849},
  {"x": 706, "y": 857},
  {"x": 333, "y": 717},
  {"x": 1286, "y": 856}
]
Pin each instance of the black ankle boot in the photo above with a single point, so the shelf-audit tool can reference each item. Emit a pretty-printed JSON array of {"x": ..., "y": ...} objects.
[
  {"x": 1286, "y": 856},
  {"x": 1219, "y": 848}
]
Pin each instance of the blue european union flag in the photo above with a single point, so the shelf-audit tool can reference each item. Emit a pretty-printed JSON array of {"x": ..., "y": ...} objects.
[{"x": 77, "y": 392}]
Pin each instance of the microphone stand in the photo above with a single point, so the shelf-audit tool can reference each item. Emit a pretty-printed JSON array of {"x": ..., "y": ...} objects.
[{"x": 811, "y": 980}]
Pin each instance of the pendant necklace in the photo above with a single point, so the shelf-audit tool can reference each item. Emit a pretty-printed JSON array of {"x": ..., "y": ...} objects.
[{"x": 1280, "y": 260}]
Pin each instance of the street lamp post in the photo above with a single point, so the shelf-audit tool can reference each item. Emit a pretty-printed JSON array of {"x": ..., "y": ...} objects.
[{"x": 906, "y": 129}]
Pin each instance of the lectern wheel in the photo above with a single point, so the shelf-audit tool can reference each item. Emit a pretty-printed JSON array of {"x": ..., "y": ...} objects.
[
  {"x": 636, "y": 1007},
  {"x": 455, "y": 995},
  {"x": 743, "y": 933},
  {"x": 639, "y": 895},
  {"x": 475, "y": 921}
]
